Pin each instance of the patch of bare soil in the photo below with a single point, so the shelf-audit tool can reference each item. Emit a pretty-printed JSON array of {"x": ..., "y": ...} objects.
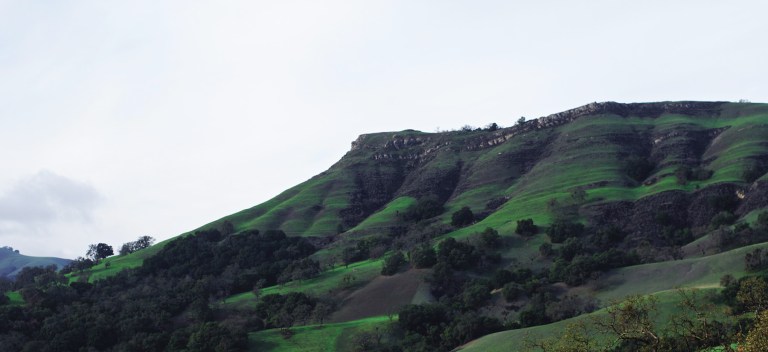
[{"x": 383, "y": 295}]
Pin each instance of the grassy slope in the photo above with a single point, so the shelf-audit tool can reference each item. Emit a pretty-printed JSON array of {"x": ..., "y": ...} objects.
[
  {"x": 316, "y": 338},
  {"x": 657, "y": 278},
  {"x": 328, "y": 281},
  {"x": 532, "y": 169},
  {"x": 114, "y": 264},
  {"x": 694, "y": 272},
  {"x": 514, "y": 340},
  {"x": 585, "y": 153},
  {"x": 588, "y": 154}
]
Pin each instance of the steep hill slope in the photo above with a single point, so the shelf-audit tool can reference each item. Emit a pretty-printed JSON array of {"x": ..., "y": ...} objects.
[
  {"x": 669, "y": 191},
  {"x": 533, "y": 163}
]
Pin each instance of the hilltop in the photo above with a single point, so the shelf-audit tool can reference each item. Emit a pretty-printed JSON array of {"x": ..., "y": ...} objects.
[{"x": 434, "y": 239}]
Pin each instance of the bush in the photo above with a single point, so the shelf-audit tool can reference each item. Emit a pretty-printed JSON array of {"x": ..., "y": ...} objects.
[
  {"x": 753, "y": 172},
  {"x": 462, "y": 217},
  {"x": 638, "y": 168},
  {"x": 723, "y": 218},
  {"x": 490, "y": 238},
  {"x": 458, "y": 255},
  {"x": 545, "y": 249},
  {"x": 423, "y": 257},
  {"x": 525, "y": 227},
  {"x": 393, "y": 263},
  {"x": 685, "y": 174},
  {"x": 561, "y": 230},
  {"x": 512, "y": 291},
  {"x": 424, "y": 208}
]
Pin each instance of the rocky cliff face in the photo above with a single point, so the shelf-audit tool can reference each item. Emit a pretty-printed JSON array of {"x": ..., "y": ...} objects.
[{"x": 413, "y": 145}]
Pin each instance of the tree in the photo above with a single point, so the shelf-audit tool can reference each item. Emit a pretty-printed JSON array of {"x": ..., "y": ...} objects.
[
  {"x": 78, "y": 264},
  {"x": 561, "y": 230},
  {"x": 393, "y": 263},
  {"x": 753, "y": 293},
  {"x": 462, "y": 217},
  {"x": 141, "y": 243},
  {"x": 757, "y": 338},
  {"x": 99, "y": 251},
  {"x": 423, "y": 257},
  {"x": 520, "y": 121},
  {"x": 638, "y": 168},
  {"x": 525, "y": 227},
  {"x": 490, "y": 238},
  {"x": 545, "y": 249},
  {"x": 632, "y": 321},
  {"x": 321, "y": 312}
]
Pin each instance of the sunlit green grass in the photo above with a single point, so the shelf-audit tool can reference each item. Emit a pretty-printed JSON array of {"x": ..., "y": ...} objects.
[
  {"x": 15, "y": 298},
  {"x": 316, "y": 338},
  {"x": 386, "y": 216},
  {"x": 327, "y": 282}
]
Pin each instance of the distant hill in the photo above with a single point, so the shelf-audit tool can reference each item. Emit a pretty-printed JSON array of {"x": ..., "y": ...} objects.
[{"x": 11, "y": 262}]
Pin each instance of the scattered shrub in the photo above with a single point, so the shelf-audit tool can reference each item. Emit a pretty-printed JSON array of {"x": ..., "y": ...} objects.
[
  {"x": 462, "y": 217},
  {"x": 526, "y": 227}
]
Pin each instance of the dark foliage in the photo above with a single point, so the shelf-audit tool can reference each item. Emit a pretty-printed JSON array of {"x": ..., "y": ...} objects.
[
  {"x": 525, "y": 227},
  {"x": 756, "y": 260},
  {"x": 561, "y": 230},
  {"x": 489, "y": 239},
  {"x": 78, "y": 264},
  {"x": 457, "y": 255},
  {"x": 638, "y": 168},
  {"x": 685, "y": 174},
  {"x": 279, "y": 311},
  {"x": 251, "y": 256},
  {"x": 723, "y": 218},
  {"x": 133, "y": 246},
  {"x": 754, "y": 171},
  {"x": 164, "y": 305},
  {"x": 393, "y": 263},
  {"x": 462, "y": 217},
  {"x": 424, "y": 208},
  {"x": 423, "y": 257},
  {"x": 435, "y": 327},
  {"x": 99, "y": 251}
]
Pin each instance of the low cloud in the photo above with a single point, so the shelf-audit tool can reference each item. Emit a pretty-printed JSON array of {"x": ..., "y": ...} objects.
[{"x": 35, "y": 203}]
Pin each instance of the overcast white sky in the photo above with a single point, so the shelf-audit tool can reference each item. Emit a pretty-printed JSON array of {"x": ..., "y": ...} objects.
[{"x": 127, "y": 118}]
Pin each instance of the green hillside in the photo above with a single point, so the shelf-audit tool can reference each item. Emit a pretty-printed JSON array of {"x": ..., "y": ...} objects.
[{"x": 621, "y": 199}]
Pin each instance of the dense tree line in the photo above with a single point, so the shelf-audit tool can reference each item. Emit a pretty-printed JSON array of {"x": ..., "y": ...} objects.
[{"x": 162, "y": 306}]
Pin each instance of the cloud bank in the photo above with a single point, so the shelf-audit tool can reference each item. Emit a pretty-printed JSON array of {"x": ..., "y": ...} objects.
[{"x": 34, "y": 207}]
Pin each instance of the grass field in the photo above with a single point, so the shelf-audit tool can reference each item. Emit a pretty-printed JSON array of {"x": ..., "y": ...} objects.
[
  {"x": 15, "y": 298},
  {"x": 514, "y": 340},
  {"x": 114, "y": 264},
  {"x": 329, "y": 281},
  {"x": 695, "y": 272},
  {"x": 316, "y": 338}
]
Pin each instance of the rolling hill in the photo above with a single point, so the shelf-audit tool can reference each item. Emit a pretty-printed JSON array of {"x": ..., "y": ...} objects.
[{"x": 667, "y": 195}]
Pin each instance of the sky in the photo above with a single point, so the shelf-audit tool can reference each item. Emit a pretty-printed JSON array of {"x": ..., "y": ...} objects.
[{"x": 120, "y": 119}]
